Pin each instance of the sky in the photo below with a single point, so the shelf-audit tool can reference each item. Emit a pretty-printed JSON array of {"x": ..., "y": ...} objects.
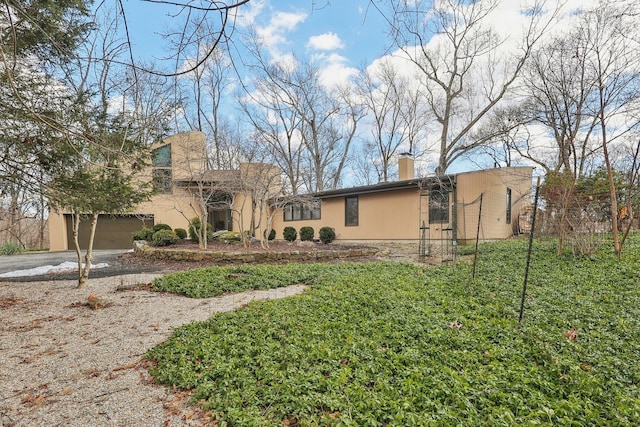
[{"x": 342, "y": 35}]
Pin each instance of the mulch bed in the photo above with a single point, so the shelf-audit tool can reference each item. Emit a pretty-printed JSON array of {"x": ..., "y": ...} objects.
[{"x": 131, "y": 259}]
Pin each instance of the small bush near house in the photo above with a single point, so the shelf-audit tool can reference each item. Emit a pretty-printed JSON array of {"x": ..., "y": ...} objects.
[
  {"x": 161, "y": 226},
  {"x": 327, "y": 235},
  {"x": 144, "y": 234},
  {"x": 10, "y": 248},
  {"x": 306, "y": 234},
  {"x": 165, "y": 238},
  {"x": 272, "y": 234},
  {"x": 181, "y": 233},
  {"x": 194, "y": 228},
  {"x": 290, "y": 234}
]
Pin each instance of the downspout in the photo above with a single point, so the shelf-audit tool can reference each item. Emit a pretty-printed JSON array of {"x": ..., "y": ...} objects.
[{"x": 454, "y": 216}]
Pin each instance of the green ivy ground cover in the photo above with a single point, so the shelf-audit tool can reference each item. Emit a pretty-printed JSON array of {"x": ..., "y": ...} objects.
[{"x": 397, "y": 344}]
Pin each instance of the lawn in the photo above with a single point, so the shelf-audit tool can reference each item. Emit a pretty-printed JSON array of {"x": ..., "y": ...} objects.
[{"x": 399, "y": 344}]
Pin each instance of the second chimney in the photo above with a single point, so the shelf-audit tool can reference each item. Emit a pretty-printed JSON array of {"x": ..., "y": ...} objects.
[{"x": 405, "y": 167}]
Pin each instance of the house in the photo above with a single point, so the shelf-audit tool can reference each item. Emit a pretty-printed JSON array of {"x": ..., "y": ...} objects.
[
  {"x": 183, "y": 181},
  {"x": 439, "y": 209},
  {"x": 412, "y": 209}
]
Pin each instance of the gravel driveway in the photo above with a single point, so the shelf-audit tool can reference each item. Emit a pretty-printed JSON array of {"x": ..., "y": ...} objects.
[{"x": 64, "y": 364}]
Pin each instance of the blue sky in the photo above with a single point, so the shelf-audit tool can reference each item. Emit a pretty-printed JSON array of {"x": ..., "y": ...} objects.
[{"x": 342, "y": 33}]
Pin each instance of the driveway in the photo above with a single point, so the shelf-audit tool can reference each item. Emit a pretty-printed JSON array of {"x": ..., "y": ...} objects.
[{"x": 39, "y": 259}]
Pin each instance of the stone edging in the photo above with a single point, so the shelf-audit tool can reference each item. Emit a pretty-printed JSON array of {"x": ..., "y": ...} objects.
[{"x": 140, "y": 248}]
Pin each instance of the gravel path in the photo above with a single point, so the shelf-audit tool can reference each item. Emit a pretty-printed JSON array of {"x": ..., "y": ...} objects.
[{"x": 65, "y": 364}]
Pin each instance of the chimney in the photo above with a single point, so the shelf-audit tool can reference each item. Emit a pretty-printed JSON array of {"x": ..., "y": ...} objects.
[{"x": 405, "y": 166}]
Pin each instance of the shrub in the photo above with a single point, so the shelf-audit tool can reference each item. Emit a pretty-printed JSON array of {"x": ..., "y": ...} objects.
[
  {"x": 327, "y": 235},
  {"x": 194, "y": 228},
  {"x": 289, "y": 234},
  {"x": 272, "y": 234},
  {"x": 161, "y": 226},
  {"x": 181, "y": 233},
  {"x": 306, "y": 234},
  {"x": 10, "y": 248},
  {"x": 145, "y": 233},
  {"x": 165, "y": 237}
]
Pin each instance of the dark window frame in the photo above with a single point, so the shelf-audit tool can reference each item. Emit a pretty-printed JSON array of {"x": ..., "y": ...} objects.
[
  {"x": 351, "y": 213},
  {"x": 163, "y": 180},
  {"x": 162, "y": 171},
  {"x": 439, "y": 206},
  {"x": 300, "y": 212},
  {"x": 509, "y": 205}
]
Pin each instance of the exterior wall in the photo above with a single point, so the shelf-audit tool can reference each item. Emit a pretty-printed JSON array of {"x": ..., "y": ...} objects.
[
  {"x": 396, "y": 215},
  {"x": 187, "y": 151},
  {"x": 187, "y": 154},
  {"x": 57, "y": 231},
  {"x": 391, "y": 215},
  {"x": 493, "y": 184}
]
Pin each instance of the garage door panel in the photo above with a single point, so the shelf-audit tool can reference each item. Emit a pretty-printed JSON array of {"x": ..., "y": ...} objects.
[{"x": 112, "y": 232}]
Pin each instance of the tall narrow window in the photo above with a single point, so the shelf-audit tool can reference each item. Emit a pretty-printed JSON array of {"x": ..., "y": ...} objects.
[
  {"x": 351, "y": 210},
  {"x": 162, "y": 176},
  {"x": 508, "y": 219},
  {"x": 439, "y": 206}
]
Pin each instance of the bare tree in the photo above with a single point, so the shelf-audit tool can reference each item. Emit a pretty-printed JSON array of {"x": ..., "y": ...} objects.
[
  {"x": 396, "y": 116},
  {"x": 559, "y": 89},
  {"x": 207, "y": 87},
  {"x": 615, "y": 60},
  {"x": 457, "y": 54}
]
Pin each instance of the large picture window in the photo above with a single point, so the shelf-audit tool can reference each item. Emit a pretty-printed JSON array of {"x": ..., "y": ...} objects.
[
  {"x": 351, "y": 210},
  {"x": 439, "y": 206},
  {"x": 298, "y": 211}
]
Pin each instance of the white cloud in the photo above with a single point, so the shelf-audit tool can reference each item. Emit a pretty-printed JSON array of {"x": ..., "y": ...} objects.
[
  {"x": 334, "y": 70},
  {"x": 273, "y": 35},
  {"x": 326, "y": 41}
]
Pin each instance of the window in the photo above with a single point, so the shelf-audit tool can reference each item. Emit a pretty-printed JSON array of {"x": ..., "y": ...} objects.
[
  {"x": 351, "y": 210},
  {"x": 162, "y": 177},
  {"x": 439, "y": 206},
  {"x": 162, "y": 157},
  {"x": 298, "y": 211},
  {"x": 508, "y": 219},
  {"x": 162, "y": 180}
]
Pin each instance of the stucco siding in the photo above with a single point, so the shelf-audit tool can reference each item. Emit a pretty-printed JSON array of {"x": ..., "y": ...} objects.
[
  {"x": 392, "y": 215},
  {"x": 493, "y": 185}
]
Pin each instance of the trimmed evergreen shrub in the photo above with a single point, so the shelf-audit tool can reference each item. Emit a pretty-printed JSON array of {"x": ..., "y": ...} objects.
[
  {"x": 272, "y": 234},
  {"x": 161, "y": 226},
  {"x": 194, "y": 228},
  {"x": 181, "y": 233},
  {"x": 327, "y": 235},
  {"x": 306, "y": 234},
  {"x": 165, "y": 237},
  {"x": 289, "y": 234},
  {"x": 145, "y": 233}
]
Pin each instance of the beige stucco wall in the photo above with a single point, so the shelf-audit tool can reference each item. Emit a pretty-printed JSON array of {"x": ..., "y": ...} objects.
[
  {"x": 391, "y": 215},
  {"x": 492, "y": 184},
  {"x": 187, "y": 151},
  {"x": 396, "y": 215}
]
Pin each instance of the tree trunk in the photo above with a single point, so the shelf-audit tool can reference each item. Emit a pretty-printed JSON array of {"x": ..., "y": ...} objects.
[
  {"x": 84, "y": 275},
  {"x": 612, "y": 185},
  {"x": 76, "y": 245}
]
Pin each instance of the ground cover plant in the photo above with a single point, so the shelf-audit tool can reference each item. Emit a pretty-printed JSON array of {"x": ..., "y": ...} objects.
[{"x": 399, "y": 344}]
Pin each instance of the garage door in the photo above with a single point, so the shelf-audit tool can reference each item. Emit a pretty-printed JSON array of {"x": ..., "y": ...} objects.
[{"x": 112, "y": 231}]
